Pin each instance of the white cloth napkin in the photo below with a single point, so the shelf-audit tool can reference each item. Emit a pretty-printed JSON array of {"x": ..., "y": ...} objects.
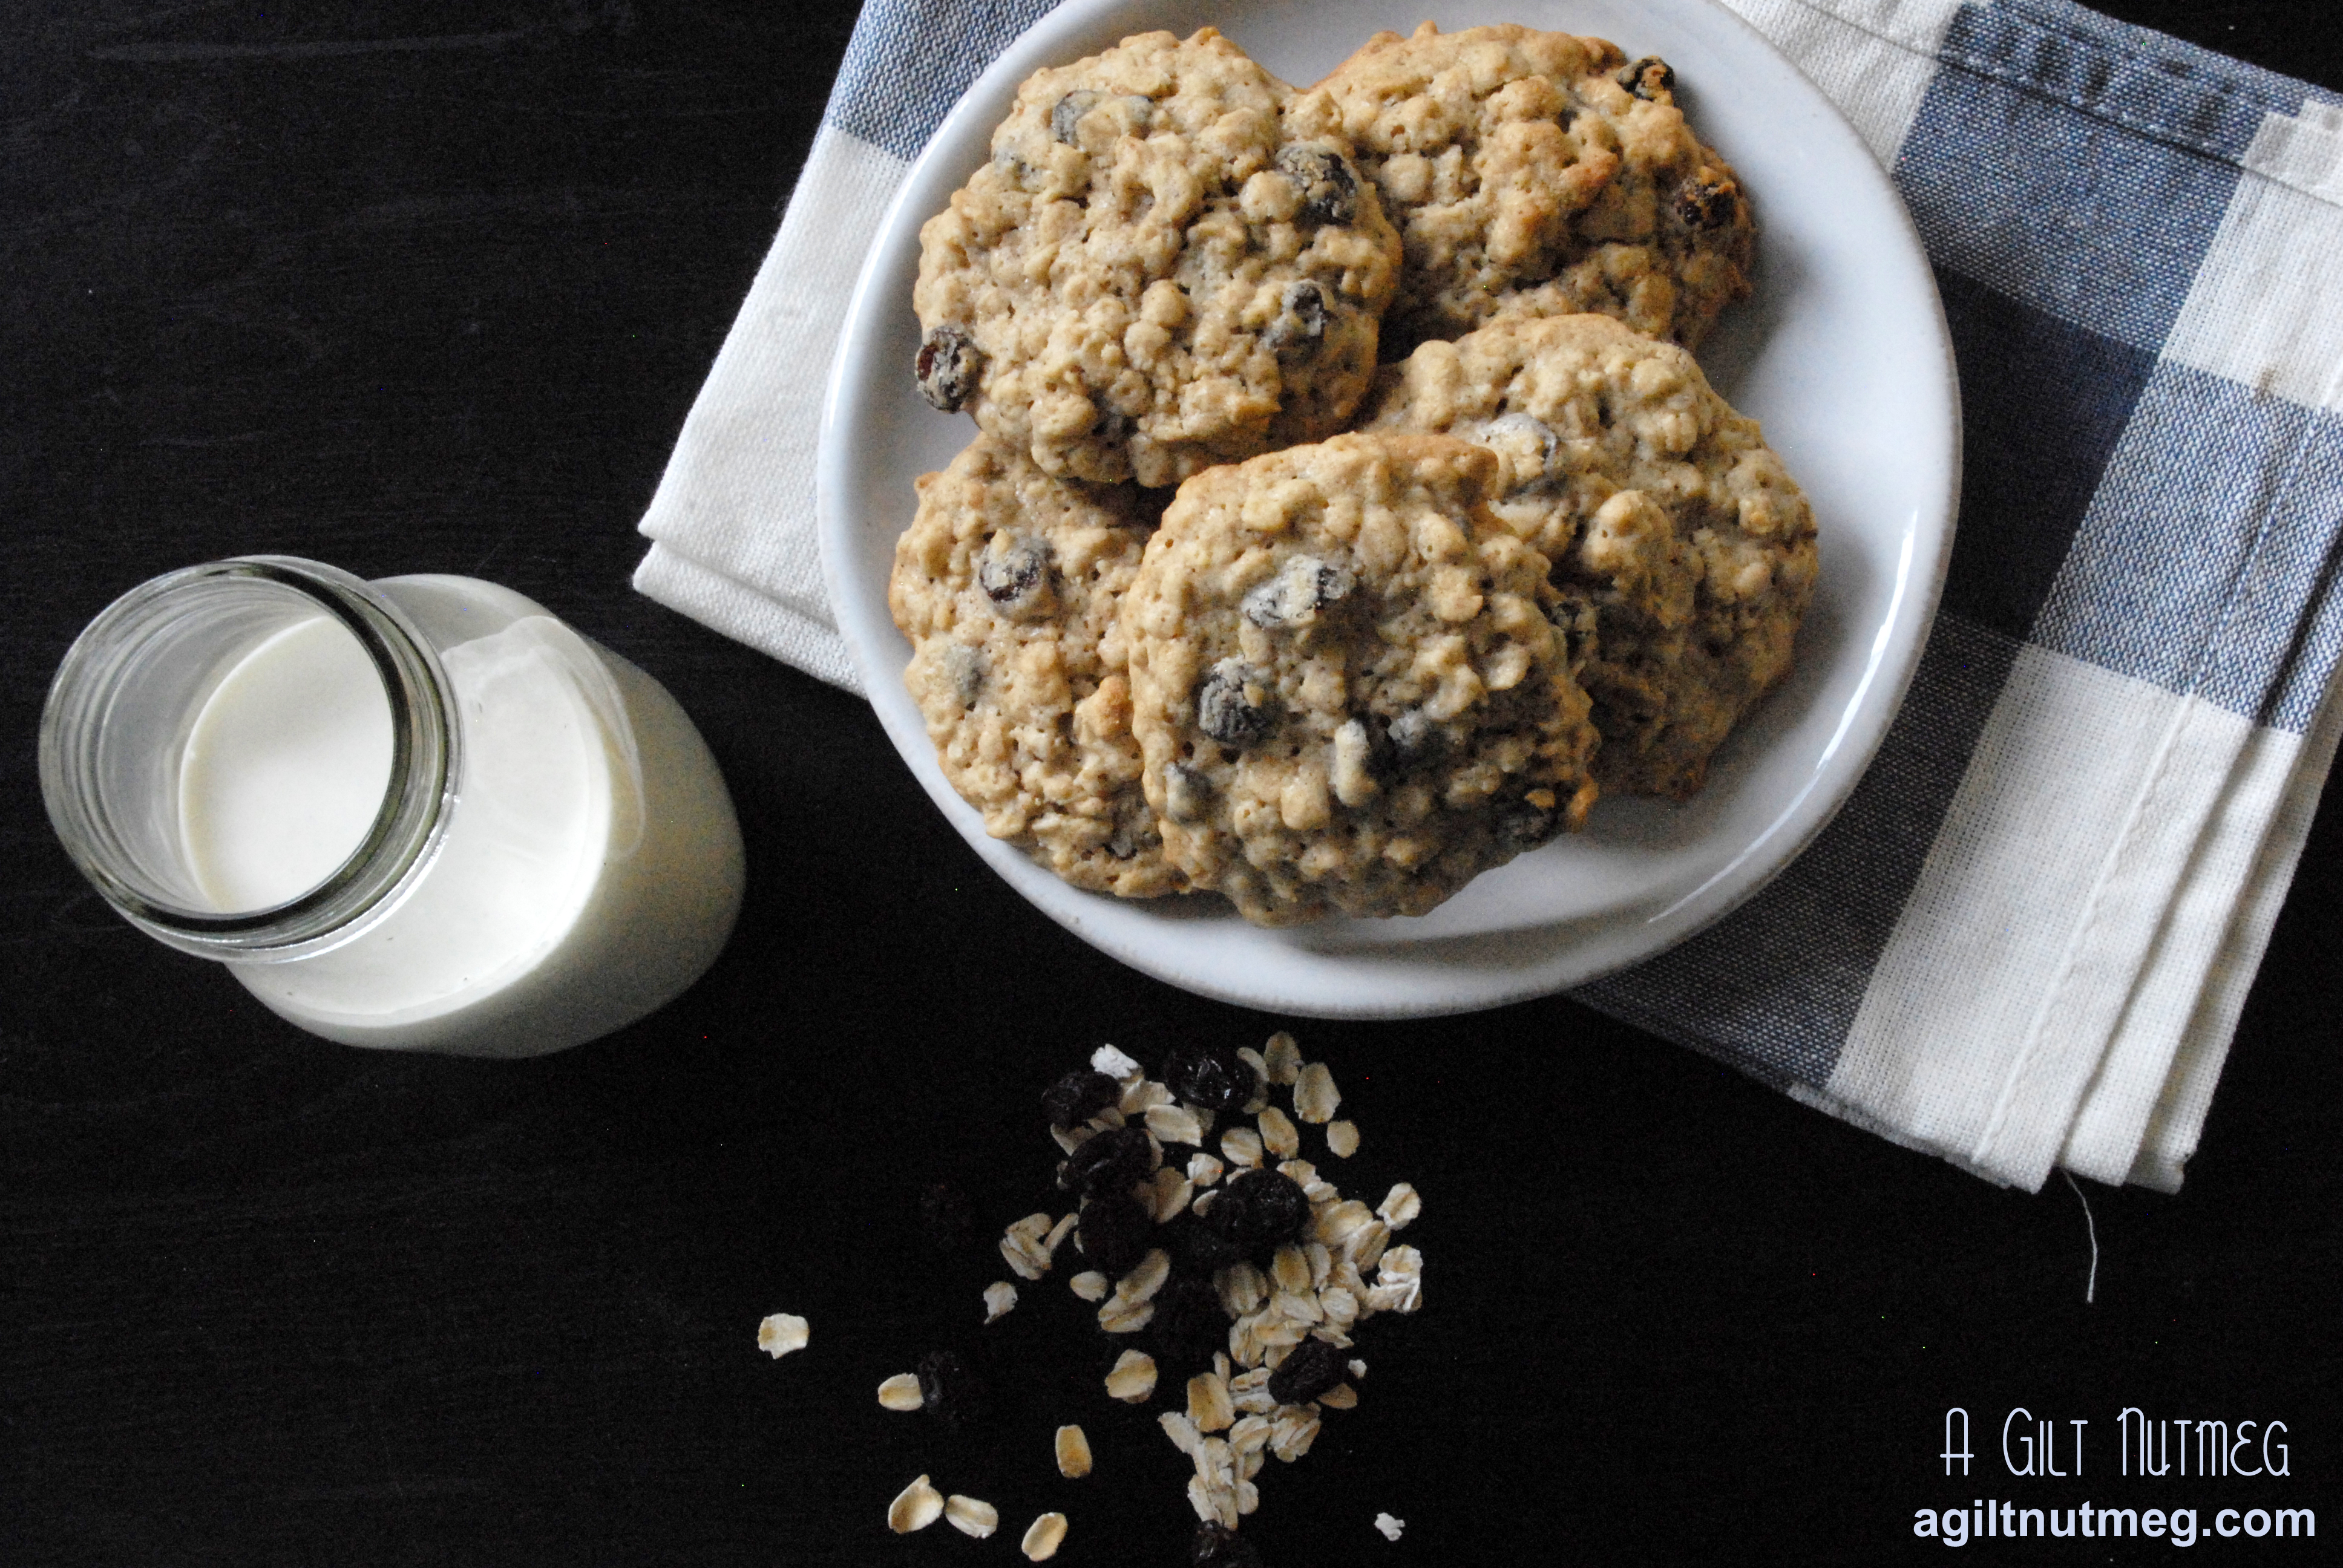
[{"x": 2026, "y": 942}]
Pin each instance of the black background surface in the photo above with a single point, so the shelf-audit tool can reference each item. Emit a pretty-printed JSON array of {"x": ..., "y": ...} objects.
[{"x": 419, "y": 287}]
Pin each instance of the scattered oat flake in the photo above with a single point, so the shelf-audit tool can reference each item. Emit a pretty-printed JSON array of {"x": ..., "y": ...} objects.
[
  {"x": 1142, "y": 1283},
  {"x": 1249, "y": 1391},
  {"x": 970, "y": 1517},
  {"x": 1025, "y": 1247},
  {"x": 901, "y": 1391},
  {"x": 1291, "y": 1434},
  {"x": 1118, "y": 1314},
  {"x": 916, "y": 1507},
  {"x": 1218, "y": 1461},
  {"x": 1060, "y": 1232},
  {"x": 1170, "y": 1194},
  {"x": 1175, "y": 1124},
  {"x": 1365, "y": 1246},
  {"x": 782, "y": 1332},
  {"x": 1203, "y": 1170},
  {"x": 1297, "y": 1307},
  {"x": 1358, "y": 1369},
  {"x": 1315, "y": 1098},
  {"x": 1132, "y": 1378},
  {"x": 998, "y": 1298},
  {"x": 1242, "y": 1289},
  {"x": 1113, "y": 1063},
  {"x": 1242, "y": 1145},
  {"x": 1182, "y": 1431},
  {"x": 1277, "y": 1134},
  {"x": 1401, "y": 1205},
  {"x": 1044, "y": 1537},
  {"x": 1342, "y": 1138},
  {"x": 1342, "y": 1396},
  {"x": 1208, "y": 1403},
  {"x": 1283, "y": 1057},
  {"x": 1074, "y": 1453},
  {"x": 1091, "y": 1285},
  {"x": 1289, "y": 1267},
  {"x": 1389, "y": 1526}
]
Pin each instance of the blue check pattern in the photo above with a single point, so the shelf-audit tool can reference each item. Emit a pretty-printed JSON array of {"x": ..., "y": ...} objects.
[{"x": 2069, "y": 175}]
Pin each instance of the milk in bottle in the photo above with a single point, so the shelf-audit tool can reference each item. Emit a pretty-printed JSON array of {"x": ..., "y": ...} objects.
[{"x": 578, "y": 865}]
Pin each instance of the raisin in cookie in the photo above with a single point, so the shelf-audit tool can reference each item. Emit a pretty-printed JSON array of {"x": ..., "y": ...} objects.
[
  {"x": 1536, "y": 172},
  {"x": 1007, "y": 583},
  {"x": 1664, "y": 511},
  {"x": 1344, "y": 681},
  {"x": 1152, "y": 275}
]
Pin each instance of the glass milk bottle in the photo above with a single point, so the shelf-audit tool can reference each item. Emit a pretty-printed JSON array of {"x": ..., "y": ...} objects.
[{"x": 419, "y": 813}]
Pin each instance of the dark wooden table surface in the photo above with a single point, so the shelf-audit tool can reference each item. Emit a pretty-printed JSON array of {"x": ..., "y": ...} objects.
[{"x": 419, "y": 287}]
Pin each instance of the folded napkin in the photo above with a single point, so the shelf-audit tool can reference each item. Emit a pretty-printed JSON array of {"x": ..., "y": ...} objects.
[{"x": 2025, "y": 940}]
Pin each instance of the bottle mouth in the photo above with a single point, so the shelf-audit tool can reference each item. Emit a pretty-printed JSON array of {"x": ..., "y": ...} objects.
[{"x": 115, "y": 730}]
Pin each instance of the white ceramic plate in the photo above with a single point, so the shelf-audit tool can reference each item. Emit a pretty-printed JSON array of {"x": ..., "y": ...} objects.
[{"x": 1842, "y": 353}]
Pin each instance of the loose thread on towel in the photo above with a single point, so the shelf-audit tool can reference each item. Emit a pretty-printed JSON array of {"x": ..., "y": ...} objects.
[{"x": 2090, "y": 1227}]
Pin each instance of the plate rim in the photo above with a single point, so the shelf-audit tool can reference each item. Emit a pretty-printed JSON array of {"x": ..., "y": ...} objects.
[{"x": 1502, "y": 967}]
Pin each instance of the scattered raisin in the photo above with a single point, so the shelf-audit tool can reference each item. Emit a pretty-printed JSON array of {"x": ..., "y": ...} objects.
[
  {"x": 947, "y": 367},
  {"x": 1190, "y": 1323},
  {"x": 1196, "y": 1248},
  {"x": 1261, "y": 1211},
  {"x": 1014, "y": 570},
  {"x": 1648, "y": 77},
  {"x": 949, "y": 1389},
  {"x": 1111, "y": 1161},
  {"x": 1309, "y": 1370},
  {"x": 1225, "y": 708},
  {"x": 1079, "y": 1096},
  {"x": 1330, "y": 191},
  {"x": 1704, "y": 201},
  {"x": 1114, "y": 1233},
  {"x": 1217, "y": 1546},
  {"x": 1212, "y": 1076}
]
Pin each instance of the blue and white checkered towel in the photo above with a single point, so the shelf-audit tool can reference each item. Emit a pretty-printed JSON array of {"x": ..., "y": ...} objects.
[{"x": 2025, "y": 942}]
